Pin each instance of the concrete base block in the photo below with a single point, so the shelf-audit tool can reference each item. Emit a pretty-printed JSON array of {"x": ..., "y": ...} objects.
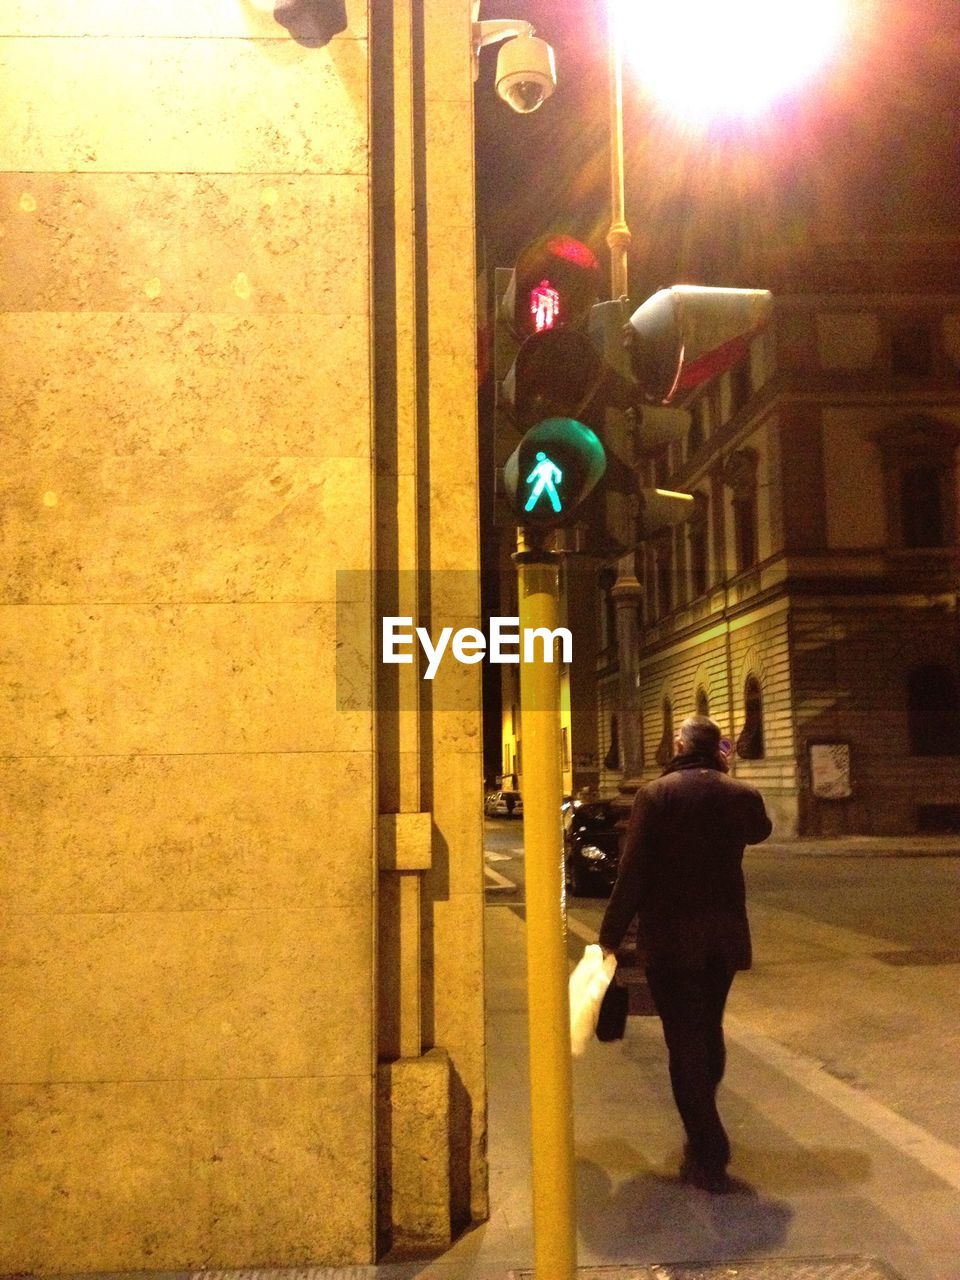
[{"x": 413, "y": 1154}]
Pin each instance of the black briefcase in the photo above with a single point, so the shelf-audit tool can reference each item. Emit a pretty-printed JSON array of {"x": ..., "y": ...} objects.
[{"x": 612, "y": 1018}]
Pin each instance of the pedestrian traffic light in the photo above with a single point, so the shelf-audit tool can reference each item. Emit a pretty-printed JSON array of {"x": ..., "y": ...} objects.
[
  {"x": 683, "y": 336},
  {"x": 550, "y": 376},
  {"x": 548, "y": 365},
  {"x": 552, "y": 470},
  {"x": 570, "y": 369}
]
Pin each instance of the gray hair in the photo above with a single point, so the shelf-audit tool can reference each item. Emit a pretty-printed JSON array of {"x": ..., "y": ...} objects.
[{"x": 700, "y": 735}]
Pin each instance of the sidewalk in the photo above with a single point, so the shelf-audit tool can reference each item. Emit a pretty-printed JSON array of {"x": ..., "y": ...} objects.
[
  {"x": 942, "y": 846},
  {"x": 834, "y": 1185},
  {"x": 837, "y": 1187}
]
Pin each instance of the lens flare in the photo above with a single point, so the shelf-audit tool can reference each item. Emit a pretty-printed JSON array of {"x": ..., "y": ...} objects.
[{"x": 709, "y": 60}]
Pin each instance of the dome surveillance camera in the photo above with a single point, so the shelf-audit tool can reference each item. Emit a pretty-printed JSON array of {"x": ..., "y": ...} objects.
[{"x": 526, "y": 73}]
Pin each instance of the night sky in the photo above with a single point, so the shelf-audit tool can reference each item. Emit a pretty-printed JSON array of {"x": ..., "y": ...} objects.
[{"x": 869, "y": 147}]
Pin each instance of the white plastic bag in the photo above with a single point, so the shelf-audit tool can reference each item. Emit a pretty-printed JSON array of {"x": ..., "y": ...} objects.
[{"x": 588, "y": 984}]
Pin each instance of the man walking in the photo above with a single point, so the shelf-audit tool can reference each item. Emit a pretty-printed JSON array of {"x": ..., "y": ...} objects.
[{"x": 681, "y": 875}]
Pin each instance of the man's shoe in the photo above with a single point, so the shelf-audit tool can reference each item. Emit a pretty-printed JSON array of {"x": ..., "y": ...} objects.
[{"x": 697, "y": 1175}]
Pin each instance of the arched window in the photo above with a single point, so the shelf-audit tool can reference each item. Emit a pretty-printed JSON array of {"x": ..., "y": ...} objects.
[
  {"x": 665, "y": 750},
  {"x": 702, "y": 702},
  {"x": 933, "y": 711},
  {"x": 750, "y": 741}
]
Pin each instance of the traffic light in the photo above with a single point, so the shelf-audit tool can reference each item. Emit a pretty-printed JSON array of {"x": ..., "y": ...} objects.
[
  {"x": 550, "y": 380},
  {"x": 570, "y": 369},
  {"x": 554, "y": 369},
  {"x": 683, "y": 336}
]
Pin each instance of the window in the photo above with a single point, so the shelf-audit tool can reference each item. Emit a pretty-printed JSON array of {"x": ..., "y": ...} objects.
[
  {"x": 607, "y": 614},
  {"x": 933, "y": 711},
  {"x": 664, "y": 752},
  {"x": 740, "y": 474},
  {"x": 921, "y": 505},
  {"x": 741, "y": 384},
  {"x": 695, "y": 435},
  {"x": 702, "y": 702},
  {"x": 664, "y": 560},
  {"x": 750, "y": 741},
  {"x": 918, "y": 456},
  {"x": 911, "y": 348},
  {"x": 681, "y": 580},
  {"x": 612, "y": 759},
  {"x": 697, "y": 552},
  {"x": 745, "y": 530}
]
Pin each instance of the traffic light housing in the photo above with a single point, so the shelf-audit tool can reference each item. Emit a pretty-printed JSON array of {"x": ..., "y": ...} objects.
[
  {"x": 683, "y": 336},
  {"x": 547, "y": 364},
  {"x": 556, "y": 373},
  {"x": 551, "y": 380},
  {"x": 570, "y": 369}
]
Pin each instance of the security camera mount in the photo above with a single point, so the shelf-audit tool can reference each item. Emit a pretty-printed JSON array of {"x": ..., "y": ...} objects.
[{"x": 497, "y": 29}]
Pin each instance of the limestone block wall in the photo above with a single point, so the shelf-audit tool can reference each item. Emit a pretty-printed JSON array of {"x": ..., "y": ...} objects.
[
  {"x": 432, "y": 1114},
  {"x": 187, "y": 874}
]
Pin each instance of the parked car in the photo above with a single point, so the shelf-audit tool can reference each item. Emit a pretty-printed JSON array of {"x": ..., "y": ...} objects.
[
  {"x": 503, "y": 804},
  {"x": 592, "y": 837}
]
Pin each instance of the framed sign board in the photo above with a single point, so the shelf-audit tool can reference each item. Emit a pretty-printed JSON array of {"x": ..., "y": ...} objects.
[{"x": 830, "y": 770}]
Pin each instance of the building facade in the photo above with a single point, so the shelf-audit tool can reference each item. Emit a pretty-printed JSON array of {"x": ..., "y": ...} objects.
[
  {"x": 807, "y": 599},
  {"x": 242, "y": 875}
]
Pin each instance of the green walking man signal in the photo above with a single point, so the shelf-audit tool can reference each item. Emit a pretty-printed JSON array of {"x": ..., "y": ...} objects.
[
  {"x": 544, "y": 477},
  {"x": 556, "y": 464}
]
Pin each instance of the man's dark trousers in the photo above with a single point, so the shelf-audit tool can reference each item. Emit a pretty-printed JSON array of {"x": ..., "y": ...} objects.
[{"x": 690, "y": 1003}]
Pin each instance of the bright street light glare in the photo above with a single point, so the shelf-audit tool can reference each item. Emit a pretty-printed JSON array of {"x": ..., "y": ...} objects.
[{"x": 707, "y": 60}]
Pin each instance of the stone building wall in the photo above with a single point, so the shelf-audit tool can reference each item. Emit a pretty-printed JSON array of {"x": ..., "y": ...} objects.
[
  {"x": 850, "y": 663},
  {"x": 194, "y": 425},
  {"x": 716, "y": 667}
]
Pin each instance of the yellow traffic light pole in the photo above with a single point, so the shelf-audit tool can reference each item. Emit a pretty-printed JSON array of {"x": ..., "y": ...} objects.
[{"x": 551, "y": 1085}]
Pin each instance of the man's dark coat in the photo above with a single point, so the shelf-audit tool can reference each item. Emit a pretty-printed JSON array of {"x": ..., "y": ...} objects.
[{"x": 681, "y": 869}]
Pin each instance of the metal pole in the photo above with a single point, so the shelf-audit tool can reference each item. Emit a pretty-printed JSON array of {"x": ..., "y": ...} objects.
[
  {"x": 551, "y": 1086},
  {"x": 618, "y": 237}
]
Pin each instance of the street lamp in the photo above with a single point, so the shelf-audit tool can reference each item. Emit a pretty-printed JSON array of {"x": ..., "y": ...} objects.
[{"x": 710, "y": 60}]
